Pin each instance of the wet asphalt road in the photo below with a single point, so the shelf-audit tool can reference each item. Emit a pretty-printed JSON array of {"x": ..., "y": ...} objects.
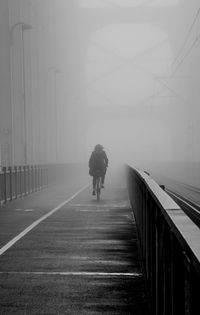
[{"x": 83, "y": 259}]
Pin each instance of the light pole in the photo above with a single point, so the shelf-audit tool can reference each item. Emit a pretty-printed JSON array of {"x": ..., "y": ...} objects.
[
  {"x": 24, "y": 27},
  {"x": 55, "y": 71}
]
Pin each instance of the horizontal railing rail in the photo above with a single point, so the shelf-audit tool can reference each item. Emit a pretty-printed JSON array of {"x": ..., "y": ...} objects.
[
  {"x": 19, "y": 181},
  {"x": 170, "y": 247}
]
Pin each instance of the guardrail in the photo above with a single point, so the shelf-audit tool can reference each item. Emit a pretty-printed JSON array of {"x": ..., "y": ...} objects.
[
  {"x": 170, "y": 247},
  {"x": 19, "y": 181}
]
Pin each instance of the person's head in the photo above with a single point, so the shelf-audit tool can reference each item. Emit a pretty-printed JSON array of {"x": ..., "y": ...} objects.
[{"x": 98, "y": 147}]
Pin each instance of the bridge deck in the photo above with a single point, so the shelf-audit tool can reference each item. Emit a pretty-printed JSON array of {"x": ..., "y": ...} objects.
[{"x": 82, "y": 258}]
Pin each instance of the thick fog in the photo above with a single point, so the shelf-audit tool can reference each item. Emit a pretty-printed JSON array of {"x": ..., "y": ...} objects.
[
  {"x": 116, "y": 72},
  {"x": 124, "y": 63},
  {"x": 141, "y": 82}
]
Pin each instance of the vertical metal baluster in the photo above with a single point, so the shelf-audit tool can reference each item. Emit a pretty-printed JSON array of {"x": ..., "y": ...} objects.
[
  {"x": 28, "y": 179},
  {"x": 16, "y": 174},
  {"x": 20, "y": 181},
  {"x": 5, "y": 184},
  {"x": 1, "y": 192},
  {"x": 33, "y": 179},
  {"x": 36, "y": 178},
  {"x": 10, "y": 181}
]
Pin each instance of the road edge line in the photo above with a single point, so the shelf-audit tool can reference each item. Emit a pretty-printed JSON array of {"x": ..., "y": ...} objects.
[{"x": 35, "y": 223}]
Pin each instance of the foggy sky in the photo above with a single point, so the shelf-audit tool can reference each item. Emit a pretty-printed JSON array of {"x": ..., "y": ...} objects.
[
  {"x": 121, "y": 73},
  {"x": 134, "y": 96}
]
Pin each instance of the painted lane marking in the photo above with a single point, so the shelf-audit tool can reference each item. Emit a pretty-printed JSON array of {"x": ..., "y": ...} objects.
[
  {"x": 94, "y": 210},
  {"x": 35, "y": 223},
  {"x": 26, "y": 210},
  {"x": 124, "y": 205},
  {"x": 72, "y": 273},
  {"x": 101, "y": 211}
]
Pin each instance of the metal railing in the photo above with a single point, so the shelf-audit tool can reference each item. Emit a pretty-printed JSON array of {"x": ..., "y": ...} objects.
[
  {"x": 170, "y": 247},
  {"x": 19, "y": 181}
]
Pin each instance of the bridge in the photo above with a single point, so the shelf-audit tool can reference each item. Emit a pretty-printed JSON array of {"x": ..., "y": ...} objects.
[{"x": 124, "y": 74}]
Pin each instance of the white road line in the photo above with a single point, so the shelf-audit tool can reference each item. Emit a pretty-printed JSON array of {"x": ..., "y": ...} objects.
[
  {"x": 72, "y": 273},
  {"x": 34, "y": 224},
  {"x": 26, "y": 210},
  {"x": 95, "y": 210},
  {"x": 120, "y": 206}
]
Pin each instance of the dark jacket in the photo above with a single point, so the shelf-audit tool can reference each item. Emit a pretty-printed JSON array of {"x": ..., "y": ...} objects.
[{"x": 98, "y": 161}]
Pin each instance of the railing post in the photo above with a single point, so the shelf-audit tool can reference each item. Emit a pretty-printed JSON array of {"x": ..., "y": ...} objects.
[
  {"x": 171, "y": 276},
  {"x": 20, "y": 181},
  {"x": 25, "y": 180},
  {"x": 42, "y": 176},
  {"x": 10, "y": 181},
  {"x": 36, "y": 178},
  {"x": 16, "y": 187},
  {"x": 0, "y": 186},
  {"x": 187, "y": 289},
  {"x": 28, "y": 179},
  {"x": 39, "y": 175},
  {"x": 5, "y": 184},
  {"x": 33, "y": 178},
  {"x": 157, "y": 297}
]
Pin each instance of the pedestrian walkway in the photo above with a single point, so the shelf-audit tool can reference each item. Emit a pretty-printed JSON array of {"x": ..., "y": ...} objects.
[{"x": 80, "y": 256}]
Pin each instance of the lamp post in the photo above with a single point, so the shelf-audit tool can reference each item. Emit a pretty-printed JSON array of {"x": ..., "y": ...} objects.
[
  {"x": 55, "y": 72},
  {"x": 24, "y": 27}
]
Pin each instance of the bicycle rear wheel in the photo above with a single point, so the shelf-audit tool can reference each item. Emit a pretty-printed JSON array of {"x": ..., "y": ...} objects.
[{"x": 98, "y": 188}]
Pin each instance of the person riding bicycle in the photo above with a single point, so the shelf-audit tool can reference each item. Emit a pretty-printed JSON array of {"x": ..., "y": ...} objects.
[{"x": 98, "y": 162}]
